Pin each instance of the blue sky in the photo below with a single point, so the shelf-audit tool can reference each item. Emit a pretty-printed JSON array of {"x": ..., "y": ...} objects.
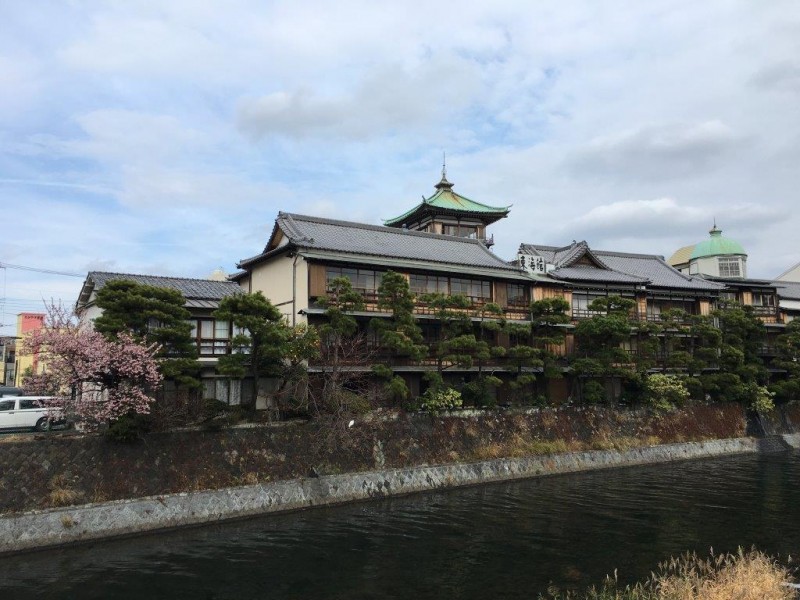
[{"x": 163, "y": 137}]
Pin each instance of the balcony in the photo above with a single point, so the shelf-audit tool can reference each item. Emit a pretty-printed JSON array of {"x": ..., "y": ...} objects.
[
  {"x": 420, "y": 308},
  {"x": 767, "y": 314}
]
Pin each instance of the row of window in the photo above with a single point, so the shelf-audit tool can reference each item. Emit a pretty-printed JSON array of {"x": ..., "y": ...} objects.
[{"x": 368, "y": 281}]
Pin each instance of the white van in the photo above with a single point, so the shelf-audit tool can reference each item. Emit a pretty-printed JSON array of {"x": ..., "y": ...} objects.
[{"x": 29, "y": 412}]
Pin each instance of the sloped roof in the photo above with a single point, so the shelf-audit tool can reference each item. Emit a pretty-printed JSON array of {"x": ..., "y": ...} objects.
[
  {"x": 565, "y": 256},
  {"x": 788, "y": 290},
  {"x": 656, "y": 270},
  {"x": 681, "y": 255},
  {"x": 345, "y": 237},
  {"x": 446, "y": 200},
  {"x": 793, "y": 271},
  {"x": 617, "y": 267},
  {"x": 196, "y": 291}
]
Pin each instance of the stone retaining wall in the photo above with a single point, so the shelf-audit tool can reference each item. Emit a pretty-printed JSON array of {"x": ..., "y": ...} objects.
[{"x": 40, "y": 529}]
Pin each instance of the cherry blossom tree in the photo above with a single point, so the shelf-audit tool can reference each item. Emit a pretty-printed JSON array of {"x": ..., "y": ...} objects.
[{"x": 96, "y": 380}]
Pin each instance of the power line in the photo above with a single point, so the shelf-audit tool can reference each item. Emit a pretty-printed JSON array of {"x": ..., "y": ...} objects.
[{"x": 5, "y": 265}]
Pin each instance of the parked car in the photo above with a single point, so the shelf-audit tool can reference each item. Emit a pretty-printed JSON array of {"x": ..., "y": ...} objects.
[
  {"x": 29, "y": 412},
  {"x": 6, "y": 390}
]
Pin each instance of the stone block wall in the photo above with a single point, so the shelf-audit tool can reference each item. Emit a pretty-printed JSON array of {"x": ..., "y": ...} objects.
[{"x": 51, "y": 470}]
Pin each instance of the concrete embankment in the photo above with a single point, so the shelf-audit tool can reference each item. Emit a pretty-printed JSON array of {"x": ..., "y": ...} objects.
[{"x": 53, "y": 527}]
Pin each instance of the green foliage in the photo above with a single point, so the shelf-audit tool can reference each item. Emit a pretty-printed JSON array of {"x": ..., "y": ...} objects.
[
  {"x": 760, "y": 398},
  {"x": 436, "y": 400},
  {"x": 340, "y": 300},
  {"x": 262, "y": 344},
  {"x": 153, "y": 315},
  {"x": 478, "y": 392},
  {"x": 695, "y": 388},
  {"x": 128, "y": 428},
  {"x": 594, "y": 392},
  {"x": 400, "y": 335},
  {"x": 456, "y": 344},
  {"x": 665, "y": 392},
  {"x": 397, "y": 389}
]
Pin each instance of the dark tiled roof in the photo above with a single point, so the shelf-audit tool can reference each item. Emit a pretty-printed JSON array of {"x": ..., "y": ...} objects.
[
  {"x": 593, "y": 274},
  {"x": 622, "y": 267},
  {"x": 192, "y": 289},
  {"x": 315, "y": 233},
  {"x": 656, "y": 270},
  {"x": 788, "y": 290}
]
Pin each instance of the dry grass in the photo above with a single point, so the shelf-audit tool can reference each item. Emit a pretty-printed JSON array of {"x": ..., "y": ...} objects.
[
  {"x": 61, "y": 493},
  {"x": 742, "y": 576}
]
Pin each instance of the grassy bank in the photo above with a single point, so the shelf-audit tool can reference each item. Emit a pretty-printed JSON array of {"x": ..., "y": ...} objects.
[{"x": 742, "y": 576}]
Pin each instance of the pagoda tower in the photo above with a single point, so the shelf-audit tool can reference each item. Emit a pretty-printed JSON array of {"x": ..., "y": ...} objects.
[{"x": 449, "y": 213}]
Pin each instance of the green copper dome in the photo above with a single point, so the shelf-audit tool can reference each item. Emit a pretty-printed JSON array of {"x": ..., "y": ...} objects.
[{"x": 716, "y": 245}]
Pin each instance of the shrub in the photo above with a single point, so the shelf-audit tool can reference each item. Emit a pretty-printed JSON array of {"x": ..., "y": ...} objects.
[
  {"x": 760, "y": 398},
  {"x": 128, "y": 428},
  {"x": 695, "y": 388},
  {"x": 594, "y": 392},
  {"x": 479, "y": 391},
  {"x": 665, "y": 392},
  {"x": 438, "y": 400}
]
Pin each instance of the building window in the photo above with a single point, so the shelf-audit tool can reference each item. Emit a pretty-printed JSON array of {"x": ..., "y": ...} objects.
[
  {"x": 518, "y": 294},
  {"x": 729, "y": 267},
  {"x": 473, "y": 288},
  {"x": 467, "y": 231},
  {"x": 763, "y": 299},
  {"x": 656, "y": 307},
  {"x": 212, "y": 337},
  {"x": 478, "y": 290},
  {"x": 581, "y": 302},
  {"x": 429, "y": 284},
  {"x": 362, "y": 280},
  {"x": 224, "y": 390}
]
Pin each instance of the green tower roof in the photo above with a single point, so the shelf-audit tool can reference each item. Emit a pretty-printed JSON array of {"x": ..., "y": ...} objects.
[
  {"x": 445, "y": 200},
  {"x": 716, "y": 245}
]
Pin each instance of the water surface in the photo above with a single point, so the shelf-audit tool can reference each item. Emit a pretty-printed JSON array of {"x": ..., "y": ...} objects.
[{"x": 507, "y": 540}]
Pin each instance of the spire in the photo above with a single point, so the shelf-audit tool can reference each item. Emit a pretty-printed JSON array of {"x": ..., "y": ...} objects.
[
  {"x": 444, "y": 184},
  {"x": 715, "y": 231}
]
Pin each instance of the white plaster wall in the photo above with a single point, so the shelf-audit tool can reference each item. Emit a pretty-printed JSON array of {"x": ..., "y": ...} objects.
[
  {"x": 792, "y": 275},
  {"x": 273, "y": 278}
]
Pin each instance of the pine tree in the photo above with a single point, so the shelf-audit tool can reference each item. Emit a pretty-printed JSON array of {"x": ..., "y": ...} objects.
[{"x": 152, "y": 315}]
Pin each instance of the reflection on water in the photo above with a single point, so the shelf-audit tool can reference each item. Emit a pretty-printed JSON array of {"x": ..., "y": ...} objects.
[{"x": 504, "y": 541}]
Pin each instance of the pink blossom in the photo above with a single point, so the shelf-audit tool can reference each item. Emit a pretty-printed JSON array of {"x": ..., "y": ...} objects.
[{"x": 95, "y": 380}]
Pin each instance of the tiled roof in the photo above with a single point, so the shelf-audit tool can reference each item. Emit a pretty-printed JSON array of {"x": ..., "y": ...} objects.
[
  {"x": 621, "y": 267},
  {"x": 788, "y": 290},
  {"x": 592, "y": 274},
  {"x": 192, "y": 289},
  {"x": 446, "y": 199},
  {"x": 656, "y": 270},
  {"x": 315, "y": 233}
]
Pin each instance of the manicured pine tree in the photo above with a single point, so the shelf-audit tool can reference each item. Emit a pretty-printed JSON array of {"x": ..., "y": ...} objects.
[
  {"x": 152, "y": 315},
  {"x": 400, "y": 335}
]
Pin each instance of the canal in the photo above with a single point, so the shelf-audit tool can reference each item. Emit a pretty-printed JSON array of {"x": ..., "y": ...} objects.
[{"x": 507, "y": 540}]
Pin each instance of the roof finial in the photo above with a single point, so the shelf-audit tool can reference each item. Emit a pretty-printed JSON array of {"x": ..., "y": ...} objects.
[
  {"x": 715, "y": 231},
  {"x": 444, "y": 184}
]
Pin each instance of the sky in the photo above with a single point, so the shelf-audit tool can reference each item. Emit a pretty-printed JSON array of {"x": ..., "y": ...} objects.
[{"x": 163, "y": 137}]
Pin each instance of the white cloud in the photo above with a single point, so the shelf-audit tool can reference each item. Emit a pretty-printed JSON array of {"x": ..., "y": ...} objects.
[
  {"x": 388, "y": 101},
  {"x": 657, "y": 151},
  {"x": 627, "y": 124}
]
